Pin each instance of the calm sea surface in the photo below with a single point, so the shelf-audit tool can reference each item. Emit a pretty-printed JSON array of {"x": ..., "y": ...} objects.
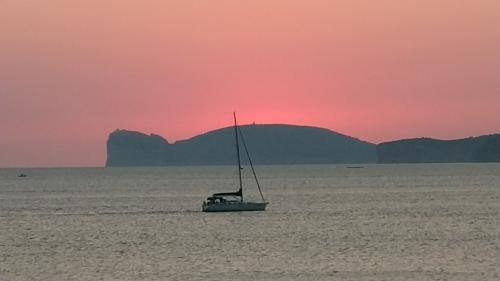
[{"x": 324, "y": 222}]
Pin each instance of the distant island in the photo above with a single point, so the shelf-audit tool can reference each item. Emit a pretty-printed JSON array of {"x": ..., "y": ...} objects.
[
  {"x": 426, "y": 150},
  {"x": 290, "y": 144},
  {"x": 269, "y": 144}
]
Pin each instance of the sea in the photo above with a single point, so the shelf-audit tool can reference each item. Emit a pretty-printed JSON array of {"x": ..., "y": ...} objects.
[{"x": 323, "y": 222}]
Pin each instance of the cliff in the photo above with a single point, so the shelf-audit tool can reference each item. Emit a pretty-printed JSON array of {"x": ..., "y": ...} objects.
[
  {"x": 268, "y": 144},
  {"x": 426, "y": 150}
]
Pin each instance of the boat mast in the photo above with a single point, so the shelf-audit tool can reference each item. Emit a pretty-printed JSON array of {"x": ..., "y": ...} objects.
[{"x": 238, "y": 154}]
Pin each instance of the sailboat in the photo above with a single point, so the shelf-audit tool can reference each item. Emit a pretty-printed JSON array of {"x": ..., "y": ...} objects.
[{"x": 233, "y": 201}]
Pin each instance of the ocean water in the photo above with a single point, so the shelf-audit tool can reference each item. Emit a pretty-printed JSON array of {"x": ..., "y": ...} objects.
[{"x": 324, "y": 222}]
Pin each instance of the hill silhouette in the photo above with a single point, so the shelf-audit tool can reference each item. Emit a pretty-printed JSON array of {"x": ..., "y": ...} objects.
[
  {"x": 426, "y": 150},
  {"x": 268, "y": 144}
]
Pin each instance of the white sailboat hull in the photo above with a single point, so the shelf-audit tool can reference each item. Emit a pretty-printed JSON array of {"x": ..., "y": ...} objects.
[{"x": 234, "y": 206}]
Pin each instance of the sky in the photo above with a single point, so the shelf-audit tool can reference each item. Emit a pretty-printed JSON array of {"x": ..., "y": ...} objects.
[{"x": 71, "y": 72}]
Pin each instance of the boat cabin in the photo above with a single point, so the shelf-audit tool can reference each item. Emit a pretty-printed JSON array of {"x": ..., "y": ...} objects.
[
  {"x": 218, "y": 199},
  {"x": 215, "y": 200}
]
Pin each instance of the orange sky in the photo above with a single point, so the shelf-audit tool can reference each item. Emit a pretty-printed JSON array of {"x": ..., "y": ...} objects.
[{"x": 73, "y": 71}]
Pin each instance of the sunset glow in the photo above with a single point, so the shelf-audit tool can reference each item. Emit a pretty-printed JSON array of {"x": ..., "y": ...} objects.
[{"x": 71, "y": 72}]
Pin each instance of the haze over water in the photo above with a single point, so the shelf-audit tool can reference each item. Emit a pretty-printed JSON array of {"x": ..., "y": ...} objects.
[{"x": 324, "y": 222}]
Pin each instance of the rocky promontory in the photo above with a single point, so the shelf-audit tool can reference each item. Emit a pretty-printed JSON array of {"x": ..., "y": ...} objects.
[{"x": 268, "y": 144}]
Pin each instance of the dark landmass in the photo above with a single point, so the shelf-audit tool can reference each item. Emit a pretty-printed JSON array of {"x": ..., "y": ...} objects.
[
  {"x": 426, "y": 150},
  {"x": 268, "y": 144},
  {"x": 289, "y": 144}
]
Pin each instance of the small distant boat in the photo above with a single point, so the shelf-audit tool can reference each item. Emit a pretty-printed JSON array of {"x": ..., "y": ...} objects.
[
  {"x": 22, "y": 175},
  {"x": 233, "y": 201}
]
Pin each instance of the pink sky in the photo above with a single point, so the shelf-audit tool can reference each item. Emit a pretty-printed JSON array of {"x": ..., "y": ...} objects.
[{"x": 71, "y": 72}]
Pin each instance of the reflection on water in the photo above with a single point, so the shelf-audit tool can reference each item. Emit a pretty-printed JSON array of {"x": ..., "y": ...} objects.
[{"x": 324, "y": 222}]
